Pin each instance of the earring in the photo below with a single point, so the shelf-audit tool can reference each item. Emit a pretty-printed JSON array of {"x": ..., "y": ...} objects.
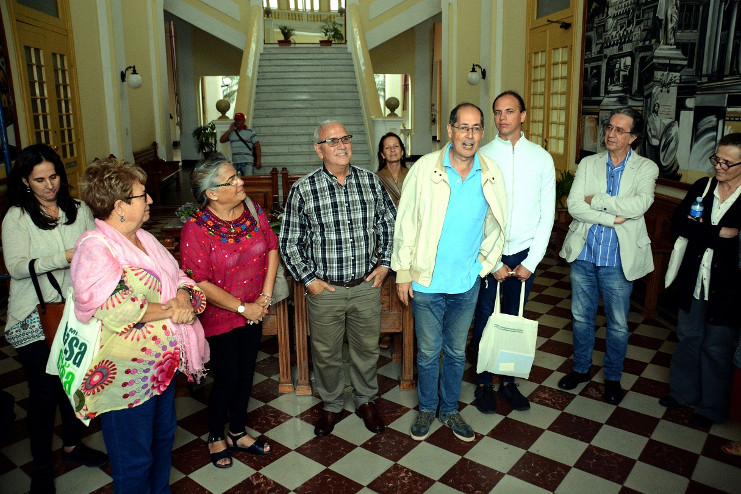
[
  {"x": 28, "y": 188},
  {"x": 123, "y": 219}
]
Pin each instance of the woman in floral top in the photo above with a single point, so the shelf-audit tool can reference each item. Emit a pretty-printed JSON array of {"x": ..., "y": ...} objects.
[
  {"x": 123, "y": 276},
  {"x": 233, "y": 256}
]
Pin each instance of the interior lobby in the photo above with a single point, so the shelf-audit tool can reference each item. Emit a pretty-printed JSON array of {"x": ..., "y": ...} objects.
[{"x": 137, "y": 77}]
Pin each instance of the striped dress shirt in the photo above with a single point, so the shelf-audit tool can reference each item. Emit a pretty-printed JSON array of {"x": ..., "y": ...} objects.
[{"x": 602, "y": 247}]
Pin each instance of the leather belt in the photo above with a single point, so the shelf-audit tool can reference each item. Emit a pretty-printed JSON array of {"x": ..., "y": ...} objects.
[{"x": 347, "y": 284}]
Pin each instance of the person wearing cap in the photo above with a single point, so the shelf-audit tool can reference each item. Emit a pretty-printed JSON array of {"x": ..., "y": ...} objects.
[{"x": 243, "y": 141}]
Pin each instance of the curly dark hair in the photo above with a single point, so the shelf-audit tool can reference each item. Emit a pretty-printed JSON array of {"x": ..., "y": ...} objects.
[{"x": 19, "y": 194}]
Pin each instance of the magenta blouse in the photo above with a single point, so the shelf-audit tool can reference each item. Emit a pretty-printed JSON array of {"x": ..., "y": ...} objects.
[{"x": 232, "y": 255}]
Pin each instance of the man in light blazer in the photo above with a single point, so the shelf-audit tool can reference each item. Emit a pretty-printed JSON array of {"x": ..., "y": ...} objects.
[{"x": 608, "y": 246}]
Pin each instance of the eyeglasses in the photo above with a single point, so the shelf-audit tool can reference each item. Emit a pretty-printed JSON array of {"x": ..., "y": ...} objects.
[
  {"x": 609, "y": 128},
  {"x": 228, "y": 183},
  {"x": 335, "y": 141},
  {"x": 146, "y": 193},
  {"x": 724, "y": 164},
  {"x": 465, "y": 129}
]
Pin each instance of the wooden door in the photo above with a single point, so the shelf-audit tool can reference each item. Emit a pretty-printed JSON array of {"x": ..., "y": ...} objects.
[
  {"x": 49, "y": 84},
  {"x": 551, "y": 61}
]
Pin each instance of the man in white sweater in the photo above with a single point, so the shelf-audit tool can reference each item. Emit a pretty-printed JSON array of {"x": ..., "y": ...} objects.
[{"x": 530, "y": 183}]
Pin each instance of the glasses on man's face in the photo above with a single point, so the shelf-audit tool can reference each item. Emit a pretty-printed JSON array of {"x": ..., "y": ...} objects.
[
  {"x": 335, "y": 141},
  {"x": 724, "y": 164},
  {"x": 230, "y": 182},
  {"x": 610, "y": 128},
  {"x": 465, "y": 129},
  {"x": 146, "y": 193}
]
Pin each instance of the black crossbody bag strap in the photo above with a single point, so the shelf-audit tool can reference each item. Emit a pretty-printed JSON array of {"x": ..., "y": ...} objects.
[
  {"x": 35, "y": 280},
  {"x": 243, "y": 141}
]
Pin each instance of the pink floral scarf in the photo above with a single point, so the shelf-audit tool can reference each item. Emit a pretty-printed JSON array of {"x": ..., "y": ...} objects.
[{"x": 94, "y": 286}]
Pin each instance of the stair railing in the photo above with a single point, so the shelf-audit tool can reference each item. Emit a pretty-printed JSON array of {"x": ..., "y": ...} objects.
[
  {"x": 363, "y": 74},
  {"x": 250, "y": 62}
]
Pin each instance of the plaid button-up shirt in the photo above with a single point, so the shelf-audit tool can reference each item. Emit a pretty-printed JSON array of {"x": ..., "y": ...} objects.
[{"x": 336, "y": 232}]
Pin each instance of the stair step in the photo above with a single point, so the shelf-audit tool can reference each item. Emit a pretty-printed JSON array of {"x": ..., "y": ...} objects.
[{"x": 297, "y": 88}]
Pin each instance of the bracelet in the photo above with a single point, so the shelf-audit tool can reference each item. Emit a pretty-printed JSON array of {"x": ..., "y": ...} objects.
[
  {"x": 266, "y": 295},
  {"x": 190, "y": 292}
]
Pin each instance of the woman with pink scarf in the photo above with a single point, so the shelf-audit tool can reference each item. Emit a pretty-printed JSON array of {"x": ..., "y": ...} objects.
[{"x": 123, "y": 276}]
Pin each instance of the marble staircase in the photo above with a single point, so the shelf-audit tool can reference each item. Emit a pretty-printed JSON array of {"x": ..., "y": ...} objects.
[{"x": 297, "y": 88}]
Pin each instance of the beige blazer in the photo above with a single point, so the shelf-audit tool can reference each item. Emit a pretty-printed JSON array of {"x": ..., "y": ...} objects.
[{"x": 635, "y": 197}]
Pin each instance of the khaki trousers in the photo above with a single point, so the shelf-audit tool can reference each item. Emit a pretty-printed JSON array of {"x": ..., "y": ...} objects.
[{"x": 354, "y": 311}]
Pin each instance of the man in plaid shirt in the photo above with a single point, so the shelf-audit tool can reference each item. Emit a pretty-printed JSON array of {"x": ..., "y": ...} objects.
[{"x": 336, "y": 239}]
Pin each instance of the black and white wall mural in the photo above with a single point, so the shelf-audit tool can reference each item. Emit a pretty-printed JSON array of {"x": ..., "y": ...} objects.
[{"x": 676, "y": 60}]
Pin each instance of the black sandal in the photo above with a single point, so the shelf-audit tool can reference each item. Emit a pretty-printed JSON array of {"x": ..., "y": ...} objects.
[
  {"x": 215, "y": 457},
  {"x": 257, "y": 448}
]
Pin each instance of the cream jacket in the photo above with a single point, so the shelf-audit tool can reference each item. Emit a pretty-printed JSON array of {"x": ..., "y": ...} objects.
[
  {"x": 421, "y": 213},
  {"x": 633, "y": 200}
]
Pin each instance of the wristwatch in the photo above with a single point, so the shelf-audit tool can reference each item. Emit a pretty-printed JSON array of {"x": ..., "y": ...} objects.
[{"x": 240, "y": 309}]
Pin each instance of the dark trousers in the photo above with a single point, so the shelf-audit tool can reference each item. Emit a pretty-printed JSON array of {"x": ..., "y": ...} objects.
[
  {"x": 233, "y": 358},
  {"x": 510, "y": 292},
  {"x": 44, "y": 394}
]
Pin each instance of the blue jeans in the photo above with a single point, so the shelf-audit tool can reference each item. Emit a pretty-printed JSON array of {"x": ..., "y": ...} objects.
[
  {"x": 139, "y": 442},
  {"x": 441, "y": 321},
  {"x": 244, "y": 169},
  {"x": 510, "y": 291},
  {"x": 588, "y": 284}
]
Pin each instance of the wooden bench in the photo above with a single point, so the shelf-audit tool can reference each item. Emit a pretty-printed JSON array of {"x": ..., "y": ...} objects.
[
  {"x": 396, "y": 318},
  {"x": 287, "y": 181},
  {"x": 160, "y": 173},
  {"x": 263, "y": 189}
]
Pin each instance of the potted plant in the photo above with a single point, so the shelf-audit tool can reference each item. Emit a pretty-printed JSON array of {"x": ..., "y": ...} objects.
[
  {"x": 205, "y": 137},
  {"x": 331, "y": 30},
  {"x": 563, "y": 187},
  {"x": 287, "y": 33},
  {"x": 268, "y": 11}
]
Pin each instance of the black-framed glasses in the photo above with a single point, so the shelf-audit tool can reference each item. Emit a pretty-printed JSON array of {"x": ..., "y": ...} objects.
[
  {"x": 231, "y": 182},
  {"x": 609, "y": 128},
  {"x": 146, "y": 193},
  {"x": 465, "y": 129},
  {"x": 724, "y": 164},
  {"x": 335, "y": 141}
]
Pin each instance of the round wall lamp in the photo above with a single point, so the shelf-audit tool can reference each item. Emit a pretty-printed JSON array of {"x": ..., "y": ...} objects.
[
  {"x": 474, "y": 77},
  {"x": 134, "y": 80}
]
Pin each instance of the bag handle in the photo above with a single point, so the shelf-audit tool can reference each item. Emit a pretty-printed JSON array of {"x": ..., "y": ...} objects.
[
  {"x": 497, "y": 307},
  {"x": 35, "y": 280}
]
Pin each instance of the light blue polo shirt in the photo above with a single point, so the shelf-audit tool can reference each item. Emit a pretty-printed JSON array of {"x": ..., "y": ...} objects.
[{"x": 456, "y": 262}]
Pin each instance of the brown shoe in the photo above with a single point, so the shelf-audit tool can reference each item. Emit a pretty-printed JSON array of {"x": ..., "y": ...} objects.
[
  {"x": 371, "y": 418},
  {"x": 385, "y": 342},
  {"x": 325, "y": 425}
]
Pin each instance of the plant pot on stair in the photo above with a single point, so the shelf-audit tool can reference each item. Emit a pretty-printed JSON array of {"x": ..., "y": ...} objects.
[
  {"x": 287, "y": 33},
  {"x": 332, "y": 31}
]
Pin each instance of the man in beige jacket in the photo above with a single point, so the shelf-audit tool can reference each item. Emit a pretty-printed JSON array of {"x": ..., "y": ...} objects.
[
  {"x": 608, "y": 246},
  {"x": 449, "y": 234}
]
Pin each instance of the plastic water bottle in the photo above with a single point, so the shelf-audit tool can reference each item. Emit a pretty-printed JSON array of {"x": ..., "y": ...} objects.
[{"x": 697, "y": 208}]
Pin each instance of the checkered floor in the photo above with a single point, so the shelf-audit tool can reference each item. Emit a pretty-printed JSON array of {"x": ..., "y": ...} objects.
[{"x": 567, "y": 441}]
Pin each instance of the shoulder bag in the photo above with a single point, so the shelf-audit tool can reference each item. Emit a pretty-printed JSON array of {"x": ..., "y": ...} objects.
[
  {"x": 50, "y": 313},
  {"x": 74, "y": 347},
  {"x": 680, "y": 246},
  {"x": 507, "y": 345}
]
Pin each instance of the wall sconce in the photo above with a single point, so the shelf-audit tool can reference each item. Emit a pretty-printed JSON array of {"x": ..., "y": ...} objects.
[
  {"x": 134, "y": 80},
  {"x": 474, "y": 77}
]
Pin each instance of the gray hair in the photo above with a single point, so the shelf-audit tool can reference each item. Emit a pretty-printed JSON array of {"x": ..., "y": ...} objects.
[
  {"x": 323, "y": 124},
  {"x": 204, "y": 176}
]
